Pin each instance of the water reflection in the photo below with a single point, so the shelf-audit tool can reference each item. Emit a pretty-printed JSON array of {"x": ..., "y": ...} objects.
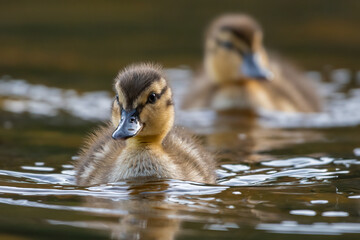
[
  {"x": 164, "y": 209},
  {"x": 147, "y": 214}
]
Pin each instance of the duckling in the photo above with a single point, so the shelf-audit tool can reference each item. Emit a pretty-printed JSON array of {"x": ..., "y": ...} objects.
[
  {"x": 239, "y": 74},
  {"x": 140, "y": 141}
]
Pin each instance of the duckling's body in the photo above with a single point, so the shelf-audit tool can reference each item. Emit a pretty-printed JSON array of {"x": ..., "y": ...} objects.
[
  {"x": 239, "y": 74},
  {"x": 149, "y": 146}
]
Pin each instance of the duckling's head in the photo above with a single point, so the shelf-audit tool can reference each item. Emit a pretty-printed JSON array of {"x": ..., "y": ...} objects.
[
  {"x": 234, "y": 50},
  {"x": 143, "y": 107}
]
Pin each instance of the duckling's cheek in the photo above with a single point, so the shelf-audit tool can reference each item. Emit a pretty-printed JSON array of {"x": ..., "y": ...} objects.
[
  {"x": 144, "y": 115},
  {"x": 211, "y": 47},
  {"x": 145, "y": 120},
  {"x": 224, "y": 66},
  {"x": 151, "y": 117}
]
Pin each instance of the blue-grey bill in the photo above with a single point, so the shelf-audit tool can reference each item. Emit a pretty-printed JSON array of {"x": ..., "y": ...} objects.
[
  {"x": 252, "y": 68},
  {"x": 129, "y": 125}
]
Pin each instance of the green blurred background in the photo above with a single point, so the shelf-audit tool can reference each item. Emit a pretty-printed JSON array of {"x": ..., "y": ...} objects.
[{"x": 82, "y": 44}]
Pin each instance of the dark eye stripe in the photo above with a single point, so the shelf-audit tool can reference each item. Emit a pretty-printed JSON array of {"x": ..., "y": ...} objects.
[
  {"x": 247, "y": 38},
  {"x": 225, "y": 44},
  {"x": 118, "y": 102},
  {"x": 169, "y": 102},
  {"x": 163, "y": 91},
  {"x": 140, "y": 108},
  {"x": 228, "y": 45},
  {"x": 158, "y": 96}
]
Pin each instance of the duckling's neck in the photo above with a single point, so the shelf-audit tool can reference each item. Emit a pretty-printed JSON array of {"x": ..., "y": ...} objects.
[
  {"x": 143, "y": 156},
  {"x": 145, "y": 142}
]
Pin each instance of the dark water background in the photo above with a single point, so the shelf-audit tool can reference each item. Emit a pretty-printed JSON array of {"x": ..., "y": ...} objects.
[{"x": 283, "y": 176}]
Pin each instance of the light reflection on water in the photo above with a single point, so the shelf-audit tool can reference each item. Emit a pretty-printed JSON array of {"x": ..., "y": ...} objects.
[
  {"x": 341, "y": 109},
  {"x": 320, "y": 228}
]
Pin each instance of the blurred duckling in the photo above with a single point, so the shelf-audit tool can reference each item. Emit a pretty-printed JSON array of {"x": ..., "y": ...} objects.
[
  {"x": 140, "y": 142},
  {"x": 239, "y": 74}
]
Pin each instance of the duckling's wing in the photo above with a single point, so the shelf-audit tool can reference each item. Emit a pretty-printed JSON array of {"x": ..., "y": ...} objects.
[
  {"x": 190, "y": 156},
  {"x": 97, "y": 154},
  {"x": 294, "y": 85}
]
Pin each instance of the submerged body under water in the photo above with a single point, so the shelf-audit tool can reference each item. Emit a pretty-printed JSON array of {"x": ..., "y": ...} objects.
[{"x": 284, "y": 175}]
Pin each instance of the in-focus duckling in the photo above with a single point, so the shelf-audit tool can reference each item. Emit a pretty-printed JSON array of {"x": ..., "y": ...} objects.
[
  {"x": 240, "y": 75},
  {"x": 140, "y": 141}
]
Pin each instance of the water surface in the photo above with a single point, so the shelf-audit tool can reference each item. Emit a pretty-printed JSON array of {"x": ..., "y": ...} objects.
[{"x": 279, "y": 176}]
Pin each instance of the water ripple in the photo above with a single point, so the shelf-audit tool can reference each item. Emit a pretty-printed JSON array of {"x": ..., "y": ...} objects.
[
  {"x": 53, "y": 178},
  {"x": 27, "y": 203},
  {"x": 322, "y": 228},
  {"x": 285, "y": 172},
  {"x": 299, "y": 162}
]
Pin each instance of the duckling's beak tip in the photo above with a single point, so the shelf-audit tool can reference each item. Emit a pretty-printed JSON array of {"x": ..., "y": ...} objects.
[{"x": 269, "y": 76}]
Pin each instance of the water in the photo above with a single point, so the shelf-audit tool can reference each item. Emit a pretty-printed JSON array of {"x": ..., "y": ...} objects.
[
  {"x": 301, "y": 178},
  {"x": 282, "y": 176}
]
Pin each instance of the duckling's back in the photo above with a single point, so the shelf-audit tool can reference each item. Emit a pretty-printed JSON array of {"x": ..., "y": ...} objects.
[{"x": 295, "y": 86}]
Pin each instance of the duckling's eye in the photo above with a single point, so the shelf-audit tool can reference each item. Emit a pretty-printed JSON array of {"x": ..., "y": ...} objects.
[
  {"x": 152, "y": 98},
  {"x": 227, "y": 45},
  {"x": 117, "y": 99}
]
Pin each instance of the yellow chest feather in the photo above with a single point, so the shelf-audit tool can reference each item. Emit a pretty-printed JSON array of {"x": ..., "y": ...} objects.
[{"x": 133, "y": 163}]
